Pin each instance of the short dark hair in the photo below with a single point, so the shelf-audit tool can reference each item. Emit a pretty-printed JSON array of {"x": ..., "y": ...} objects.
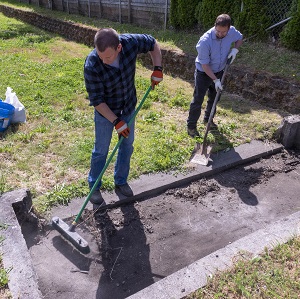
[
  {"x": 223, "y": 20},
  {"x": 106, "y": 38}
]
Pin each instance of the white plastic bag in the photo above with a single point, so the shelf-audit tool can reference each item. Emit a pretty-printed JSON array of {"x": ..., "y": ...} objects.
[{"x": 19, "y": 115}]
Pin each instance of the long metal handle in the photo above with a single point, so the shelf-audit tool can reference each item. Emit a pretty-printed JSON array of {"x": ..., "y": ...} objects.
[
  {"x": 109, "y": 159},
  {"x": 212, "y": 111}
]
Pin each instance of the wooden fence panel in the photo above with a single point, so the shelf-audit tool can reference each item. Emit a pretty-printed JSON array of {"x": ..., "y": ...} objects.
[{"x": 149, "y": 13}]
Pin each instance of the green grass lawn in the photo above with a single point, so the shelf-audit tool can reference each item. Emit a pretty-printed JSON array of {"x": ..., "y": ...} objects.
[
  {"x": 50, "y": 153},
  {"x": 273, "y": 274}
]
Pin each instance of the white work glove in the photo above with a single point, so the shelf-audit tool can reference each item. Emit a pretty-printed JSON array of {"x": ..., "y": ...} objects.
[
  {"x": 218, "y": 84},
  {"x": 232, "y": 54}
]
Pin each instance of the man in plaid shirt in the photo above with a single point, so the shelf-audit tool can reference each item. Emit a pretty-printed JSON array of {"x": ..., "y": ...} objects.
[{"x": 109, "y": 73}]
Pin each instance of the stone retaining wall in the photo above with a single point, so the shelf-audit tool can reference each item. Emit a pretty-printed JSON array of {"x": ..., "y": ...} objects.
[{"x": 271, "y": 91}]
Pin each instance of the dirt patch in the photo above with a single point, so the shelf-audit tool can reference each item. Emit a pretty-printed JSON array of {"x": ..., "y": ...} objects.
[{"x": 204, "y": 192}]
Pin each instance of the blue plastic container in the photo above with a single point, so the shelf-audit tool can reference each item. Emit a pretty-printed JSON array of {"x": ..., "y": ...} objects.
[{"x": 6, "y": 113}]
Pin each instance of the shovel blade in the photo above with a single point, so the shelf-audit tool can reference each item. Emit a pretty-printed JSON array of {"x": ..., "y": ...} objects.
[{"x": 201, "y": 156}]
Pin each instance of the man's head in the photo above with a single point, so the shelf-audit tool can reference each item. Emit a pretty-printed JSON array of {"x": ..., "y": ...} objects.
[
  {"x": 107, "y": 45},
  {"x": 222, "y": 25}
]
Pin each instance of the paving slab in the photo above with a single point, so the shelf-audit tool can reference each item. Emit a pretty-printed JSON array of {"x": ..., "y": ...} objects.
[
  {"x": 194, "y": 276},
  {"x": 86, "y": 275}
]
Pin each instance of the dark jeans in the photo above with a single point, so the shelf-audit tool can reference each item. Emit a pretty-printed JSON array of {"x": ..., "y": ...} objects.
[{"x": 203, "y": 84}]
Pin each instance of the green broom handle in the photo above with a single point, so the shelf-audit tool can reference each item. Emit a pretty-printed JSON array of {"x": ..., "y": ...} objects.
[{"x": 109, "y": 159}]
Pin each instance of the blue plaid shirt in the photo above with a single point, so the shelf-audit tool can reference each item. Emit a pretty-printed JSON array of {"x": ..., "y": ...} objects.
[{"x": 115, "y": 86}]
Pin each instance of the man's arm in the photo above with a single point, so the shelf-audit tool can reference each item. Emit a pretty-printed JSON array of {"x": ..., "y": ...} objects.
[
  {"x": 207, "y": 69},
  {"x": 156, "y": 55},
  {"x": 157, "y": 75},
  {"x": 235, "y": 49},
  {"x": 120, "y": 125},
  {"x": 104, "y": 110},
  {"x": 238, "y": 43}
]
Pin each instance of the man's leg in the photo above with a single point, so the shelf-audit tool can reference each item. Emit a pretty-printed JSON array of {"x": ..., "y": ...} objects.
[
  {"x": 202, "y": 82},
  {"x": 211, "y": 94},
  {"x": 125, "y": 151},
  {"x": 103, "y": 134}
]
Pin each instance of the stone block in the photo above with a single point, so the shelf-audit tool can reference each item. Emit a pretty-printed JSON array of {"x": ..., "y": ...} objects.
[{"x": 288, "y": 132}]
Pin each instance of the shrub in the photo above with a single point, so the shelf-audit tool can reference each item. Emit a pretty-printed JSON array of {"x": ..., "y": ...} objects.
[
  {"x": 208, "y": 10},
  {"x": 252, "y": 21},
  {"x": 174, "y": 20},
  {"x": 289, "y": 37},
  {"x": 180, "y": 13}
]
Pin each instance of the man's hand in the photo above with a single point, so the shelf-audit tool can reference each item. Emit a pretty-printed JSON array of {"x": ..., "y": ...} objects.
[
  {"x": 232, "y": 54},
  {"x": 218, "y": 84},
  {"x": 157, "y": 76},
  {"x": 121, "y": 128}
]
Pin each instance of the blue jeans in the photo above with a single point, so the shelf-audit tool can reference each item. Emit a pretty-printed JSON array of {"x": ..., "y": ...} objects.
[
  {"x": 103, "y": 135},
  {"x": 203, "y": 84}
]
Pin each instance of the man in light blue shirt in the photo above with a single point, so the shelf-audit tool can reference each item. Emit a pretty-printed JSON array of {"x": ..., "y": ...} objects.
[{"x": 214, "y": 48}]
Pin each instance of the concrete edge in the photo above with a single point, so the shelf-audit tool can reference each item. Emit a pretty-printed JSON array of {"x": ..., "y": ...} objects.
[
  {"x": 23, "y": 281},
  {"x": 194, "y": 276}
]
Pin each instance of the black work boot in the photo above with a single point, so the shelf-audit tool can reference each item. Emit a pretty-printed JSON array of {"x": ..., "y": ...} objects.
[
  {"x": 212, "y": 124},
  {"x": 97, "y": 198},
  {"x": 124, "y": 189},
  {"x": 193, "y": 132}
]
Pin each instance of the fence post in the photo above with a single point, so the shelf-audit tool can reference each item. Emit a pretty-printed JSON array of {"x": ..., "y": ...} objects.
[
  {"x": 100, "y": 9},
  {"x": 129, "y": 11},
  {"x": 89, "y": 8},
  {"x": 120, "y": 12},
  {"x": 166, "y": 15},
  {"x": 50, "y": 6}
]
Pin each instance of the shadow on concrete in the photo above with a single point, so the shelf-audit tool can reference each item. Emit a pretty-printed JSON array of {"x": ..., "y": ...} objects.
[
  {"x": 125, "y": 254},
  {"x": 80, "y": 261},
  {"x": 237, "y": 180}
]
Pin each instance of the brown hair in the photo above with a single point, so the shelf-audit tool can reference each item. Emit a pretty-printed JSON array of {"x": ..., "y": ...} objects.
[
  {"x": 106, "y": 38},
  {"x": 223, "y": 20}
]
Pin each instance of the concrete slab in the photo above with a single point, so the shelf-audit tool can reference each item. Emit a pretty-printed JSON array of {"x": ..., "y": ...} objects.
[
  {"x": 194, "y": 276},
  {"x": 23, "y": 279}
]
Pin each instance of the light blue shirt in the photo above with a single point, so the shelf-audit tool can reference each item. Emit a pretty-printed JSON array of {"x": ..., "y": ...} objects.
[{"x": 214, "y": 51}]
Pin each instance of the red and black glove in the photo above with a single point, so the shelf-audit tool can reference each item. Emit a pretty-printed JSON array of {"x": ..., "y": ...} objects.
[
  {"x": 157, "y": 76},
  {"x": 121, "y": 128}
]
